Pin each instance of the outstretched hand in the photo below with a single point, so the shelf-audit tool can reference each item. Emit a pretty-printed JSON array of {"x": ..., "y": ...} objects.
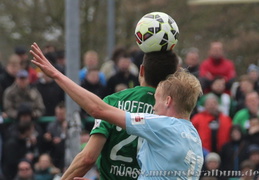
[{"x": 42, "y": 62}]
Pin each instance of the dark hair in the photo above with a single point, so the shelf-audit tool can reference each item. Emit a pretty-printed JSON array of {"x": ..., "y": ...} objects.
[
  {"x": 51, "y": 56},
  {"x": 61, "y": 105},
  {"x": 24, "y": 109},
  {"x": 238, "y": 128},
  {"x": 119, "y": 52},
  {"x": 247, "y": 164},
  {"x": 24, "y": 127},
  {"x": 158, "y": 65},
  {"x": 20, "y": 50},
  {"x": 26, "y": 160}
]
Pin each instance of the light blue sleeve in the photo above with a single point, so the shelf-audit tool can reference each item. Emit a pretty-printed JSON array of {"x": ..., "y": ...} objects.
[{"x": 147, "y": 126}]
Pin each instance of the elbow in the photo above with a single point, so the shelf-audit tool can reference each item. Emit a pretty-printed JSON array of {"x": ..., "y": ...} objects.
[
  {"x": 96, "y": 113},
  {"x": 88, "y": 161}
]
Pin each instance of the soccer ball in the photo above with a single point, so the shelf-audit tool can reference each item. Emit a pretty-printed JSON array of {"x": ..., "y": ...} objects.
[{"x": 156, "y": 31}]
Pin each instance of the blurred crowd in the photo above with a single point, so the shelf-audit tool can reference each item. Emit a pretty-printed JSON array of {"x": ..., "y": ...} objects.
[{"x": 226, "y": 116}]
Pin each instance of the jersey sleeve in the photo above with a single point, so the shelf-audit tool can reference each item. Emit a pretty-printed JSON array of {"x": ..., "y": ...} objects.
[
  {"x": 101, "y": 126},
  {"x": 147, "y": 126}
]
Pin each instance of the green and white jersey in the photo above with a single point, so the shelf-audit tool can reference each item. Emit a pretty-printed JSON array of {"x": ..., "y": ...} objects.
[{"x": 118, "y": 157}]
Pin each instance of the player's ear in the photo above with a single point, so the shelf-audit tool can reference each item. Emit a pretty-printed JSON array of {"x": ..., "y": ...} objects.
[
  {"x": 141, "y": 70},
  {"x": 168, "y": 101}
]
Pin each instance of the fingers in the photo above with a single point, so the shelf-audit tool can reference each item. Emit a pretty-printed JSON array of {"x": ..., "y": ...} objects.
[
  {"x": 80, "y": 178},
  {"x": 37, "y": 53},
  {"x": 36, "y": 63},
  {"x": 36, "y": 58},
  {"x": 37, "y": 50}
]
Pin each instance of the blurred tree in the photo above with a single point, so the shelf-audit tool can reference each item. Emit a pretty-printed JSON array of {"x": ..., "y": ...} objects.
[{"x": 25, "y": 21}]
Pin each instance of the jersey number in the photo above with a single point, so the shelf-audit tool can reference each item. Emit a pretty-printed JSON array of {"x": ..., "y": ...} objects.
[
  {"x": 114, "y": 152},
  {"x": 193, "y": 160}
]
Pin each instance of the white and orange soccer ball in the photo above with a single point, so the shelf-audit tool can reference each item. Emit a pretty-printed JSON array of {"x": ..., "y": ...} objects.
[{"x": 156, "y": 31}]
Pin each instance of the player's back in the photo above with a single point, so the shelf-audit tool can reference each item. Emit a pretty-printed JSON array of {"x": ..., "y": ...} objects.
[
  {"x": 173, "y": 144},
  {"x": 118, "y": 157}
]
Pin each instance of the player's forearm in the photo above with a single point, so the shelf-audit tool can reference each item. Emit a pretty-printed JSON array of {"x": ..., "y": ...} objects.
[
  {"x": 84, "y": 98},
  {"x": 91, "y": 103},
  {"x": 78, "y": 168}
]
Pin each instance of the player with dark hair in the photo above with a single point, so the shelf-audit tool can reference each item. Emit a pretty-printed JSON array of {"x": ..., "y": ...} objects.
[{"x": 117, "y": 148}]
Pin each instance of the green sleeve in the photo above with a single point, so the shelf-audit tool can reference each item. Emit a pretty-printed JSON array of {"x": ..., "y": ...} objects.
[{"x": 101, "y": 126}]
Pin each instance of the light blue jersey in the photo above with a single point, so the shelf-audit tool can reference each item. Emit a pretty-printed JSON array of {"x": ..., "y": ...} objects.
[{"x": 171, "y": 148}]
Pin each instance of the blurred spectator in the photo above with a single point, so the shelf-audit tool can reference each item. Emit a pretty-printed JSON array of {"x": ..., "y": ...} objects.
[
  {"x": 56, "y": 135},
  {"x": 17, "y": 148},
  {"x": 60, "y": 61},
  {"x": 212, "y": 125},
  {"x": 216, "y": 65},
  {"x": 44, "y": 169},
  {"x": 252, "y": 136},
  {"x": 24, "y": 116},
  {"x": 25, "y": 171},
  {"x": 253, "y": 152},
  {"x": 1, "y": 65},
  {"x": 244, "y": 86},
  {"x": 180, "y": 62},
  {"x": 52, "y": 57},
  {"x": 136, "y": 56},
  {"x": 191, "y": 61},
  {"x": 84, "y": 137},
  {"x": 21, "y": 51},
  {"x": 8, "y": 76},
  {"x": 226, "y": 103},
  {"x": 123, "y": 75},
  {"x": 51, "y": 94},
  {"x": 92, "y": 83},
  {"x": 91, "y": 61},
  {"x": 234, "y": 151},
  {"x": 21, "y": 92},
  {"x": 109, "y": 68},
  {"x": 252, "y": 107},
  {"x": 49, "y": 48},
  {"x": 120, "y": 87},
  {"x": 254, "y": 129},
  {"x": 247, "y": 170},
  {"x": 211, "y": 164},
  {"x": 253, "y": 74}
]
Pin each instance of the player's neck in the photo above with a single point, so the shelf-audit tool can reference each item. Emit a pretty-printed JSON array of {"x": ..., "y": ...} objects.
[
  {"x": 143, "y": 83},
  {"x": 177, "y": 115}
]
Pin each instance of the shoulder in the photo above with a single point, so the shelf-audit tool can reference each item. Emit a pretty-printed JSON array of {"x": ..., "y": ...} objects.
[
  {"x": 241, "y": 115},
  {"x": 34, "y": 91},
  {"x": 205, "y": 62},
  {"x": 242, "y": 112},
  {"x": 199, "y": 115},
  {"x": 225, "y": 118},
  {"x": 11, "y": 89}
]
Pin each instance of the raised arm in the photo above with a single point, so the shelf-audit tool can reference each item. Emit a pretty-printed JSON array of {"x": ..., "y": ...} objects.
[{"x": 91, "y": 103}]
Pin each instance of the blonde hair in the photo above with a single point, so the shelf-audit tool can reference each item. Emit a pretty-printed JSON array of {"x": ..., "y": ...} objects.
[
  {"x": 91, "y": 53},
  {"x": 184, "y": 88}
]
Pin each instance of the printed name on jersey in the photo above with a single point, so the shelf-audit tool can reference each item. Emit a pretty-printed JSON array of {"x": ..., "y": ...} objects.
[
  {"x": 97, "y": 123},
  {"x": 137, "y": 118}
]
